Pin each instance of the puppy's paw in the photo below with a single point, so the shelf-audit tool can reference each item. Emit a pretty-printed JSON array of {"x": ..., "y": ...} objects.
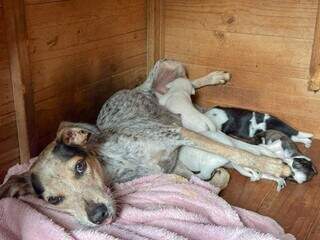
[
  {"x": 301, "y": 139},
  {"x": 281, "y": 183},
  {"x": 218, "y": 77}
]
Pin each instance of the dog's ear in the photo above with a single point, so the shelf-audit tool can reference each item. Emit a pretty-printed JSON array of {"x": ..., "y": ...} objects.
[
  {"x": 75, "y": 133},
  {"x": 16, "y": 186}
]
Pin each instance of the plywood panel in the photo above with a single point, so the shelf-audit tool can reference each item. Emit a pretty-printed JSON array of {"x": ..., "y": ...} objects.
[
  {"x": 266, "y": 45},
  {"x": 80, "y": 54},
  {"x": 9, "y": 147}
]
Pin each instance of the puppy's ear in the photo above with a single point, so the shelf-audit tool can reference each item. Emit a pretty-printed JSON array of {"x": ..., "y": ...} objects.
[
  {"x": 75, "y": 133},
  {"x": 16, "y": 186}
]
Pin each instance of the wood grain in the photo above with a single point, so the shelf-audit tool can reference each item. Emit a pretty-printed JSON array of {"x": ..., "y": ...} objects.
[
  {"x": 20, "y": 75},
  {"x": 80, "y": 54},
  {"x": 9, "y": 147},
  {"x": 314, "y": 83},
  {"x": 155, "y": 32},
  {"x": 266, "y": 45}
]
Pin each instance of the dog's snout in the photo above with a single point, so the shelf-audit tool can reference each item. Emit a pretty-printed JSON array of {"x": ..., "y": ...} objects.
[{"x": 97, "y": 213}]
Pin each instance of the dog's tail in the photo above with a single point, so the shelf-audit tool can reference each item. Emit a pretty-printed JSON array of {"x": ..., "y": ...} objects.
[{"x": 243, "y": 158}]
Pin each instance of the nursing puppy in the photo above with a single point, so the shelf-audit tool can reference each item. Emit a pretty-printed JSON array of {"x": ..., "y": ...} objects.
[
  {"x": 177, "y": 100},
  {"x": 302, "y": 167},
  {"x": 245, "y": 124}
]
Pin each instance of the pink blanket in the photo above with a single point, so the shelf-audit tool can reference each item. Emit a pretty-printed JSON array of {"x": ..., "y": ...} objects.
[{"x": 155, "y": 207}]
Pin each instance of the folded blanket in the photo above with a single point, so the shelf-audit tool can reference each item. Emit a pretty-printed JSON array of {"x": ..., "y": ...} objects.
[{"x": 155, "y": 207}]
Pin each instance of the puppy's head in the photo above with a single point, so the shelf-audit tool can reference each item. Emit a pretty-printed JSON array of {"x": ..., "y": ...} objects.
[
  {"x": 68, "y": 175},
  {"x": 303, "y": 169},
  {"x": 217, "y": 115}
]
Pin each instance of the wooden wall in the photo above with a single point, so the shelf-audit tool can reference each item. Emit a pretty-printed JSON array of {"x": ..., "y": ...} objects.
[
  {"x": 81, "y": 51},
  {"x": 69, "y": 56},
  {"x": 266, "y": 45},
  {"x": 9, "y": 148}
]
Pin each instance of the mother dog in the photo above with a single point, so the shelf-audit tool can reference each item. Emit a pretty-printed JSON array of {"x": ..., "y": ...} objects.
[{"x": 134, "y": 137}]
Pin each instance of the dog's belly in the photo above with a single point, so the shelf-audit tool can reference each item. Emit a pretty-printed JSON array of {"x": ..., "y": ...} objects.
[
  {"x": 127, "y": 160},
  {"x": 140, "y": 136}
]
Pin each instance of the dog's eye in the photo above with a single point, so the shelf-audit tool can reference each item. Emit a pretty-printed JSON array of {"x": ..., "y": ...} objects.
[
  {"x": 55, "y": 200},
  {"x": 80, "y": 168}
]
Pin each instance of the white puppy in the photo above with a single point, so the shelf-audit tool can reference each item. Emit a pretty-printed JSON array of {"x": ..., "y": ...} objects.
[{"x": 177, "y": 100}]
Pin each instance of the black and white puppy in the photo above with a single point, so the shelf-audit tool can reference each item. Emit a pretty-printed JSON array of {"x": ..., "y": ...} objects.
[
  {"x": 245, "y": 124},
  {"x": 302, "y": 167}
]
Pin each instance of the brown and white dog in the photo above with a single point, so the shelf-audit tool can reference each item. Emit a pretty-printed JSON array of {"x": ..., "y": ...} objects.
[{"x": 133, "y": 137}]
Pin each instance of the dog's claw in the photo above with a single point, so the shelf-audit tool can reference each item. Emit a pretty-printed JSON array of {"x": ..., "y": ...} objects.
[
  {"x": 281, "y": 183},
  {"x": 255, "y": 175}
]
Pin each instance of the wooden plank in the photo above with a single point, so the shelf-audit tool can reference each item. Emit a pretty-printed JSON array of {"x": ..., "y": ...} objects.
[
  {"x": 294, "y": 19},
  {"x": 314, "y": 83},
  {"x": 83, "y": 75},
  {"x": 88, "y": 65},
  {"x": 82, "y": 104},
  {"x": 53, "y": 41},
  {"x": 155, "y": 32},
  {"x": 29, "y": 2},
  {"x": 20, "y": 75},
  {"x": 77, "y": 11},
  {"x": 230, "y": 49}
]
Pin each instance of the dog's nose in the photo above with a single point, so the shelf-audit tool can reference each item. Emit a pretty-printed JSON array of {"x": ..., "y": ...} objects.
[{"x": 97, "y": 213}]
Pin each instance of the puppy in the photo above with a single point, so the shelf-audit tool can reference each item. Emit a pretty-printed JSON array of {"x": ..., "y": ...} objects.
[
  {"x": 177, "y": 100},
  {"x": 245, "y": 124},
  {"x": 302, "y": 167}
]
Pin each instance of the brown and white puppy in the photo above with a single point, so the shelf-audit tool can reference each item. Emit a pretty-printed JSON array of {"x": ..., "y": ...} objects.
[{"x": 68, "y": 174}]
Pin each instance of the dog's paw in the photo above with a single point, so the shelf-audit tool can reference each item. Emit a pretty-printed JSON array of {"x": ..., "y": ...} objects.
[
  {"x": 218, "y": 77},
  {"x": 255, "y": 175},
  {"x": 281, "y": 183},
  {"x": 220, "y": 178}
]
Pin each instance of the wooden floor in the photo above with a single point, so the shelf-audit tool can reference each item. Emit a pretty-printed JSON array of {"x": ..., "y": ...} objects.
[{"x": 296, "y": 208}]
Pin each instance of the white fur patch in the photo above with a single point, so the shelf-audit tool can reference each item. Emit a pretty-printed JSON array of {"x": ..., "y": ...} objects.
[
  {"x": 254, "y": 126},
  {"x": 217, "y": 116}
]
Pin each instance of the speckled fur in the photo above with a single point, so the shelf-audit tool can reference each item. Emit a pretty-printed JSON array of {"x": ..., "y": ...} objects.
[{"x": 141, "y": 136}]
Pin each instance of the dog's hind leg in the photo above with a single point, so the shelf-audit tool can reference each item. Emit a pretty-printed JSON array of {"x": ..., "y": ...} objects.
[
  {"x": 272, "y": 166},
  {"x": 213, "y": 78}
]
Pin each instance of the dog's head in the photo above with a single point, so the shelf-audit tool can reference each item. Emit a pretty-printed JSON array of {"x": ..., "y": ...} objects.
[{"x": 68, "y": 174}]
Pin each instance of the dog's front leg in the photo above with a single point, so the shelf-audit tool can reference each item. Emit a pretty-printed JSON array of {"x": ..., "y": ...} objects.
[{"x": 213, "y": 78}]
